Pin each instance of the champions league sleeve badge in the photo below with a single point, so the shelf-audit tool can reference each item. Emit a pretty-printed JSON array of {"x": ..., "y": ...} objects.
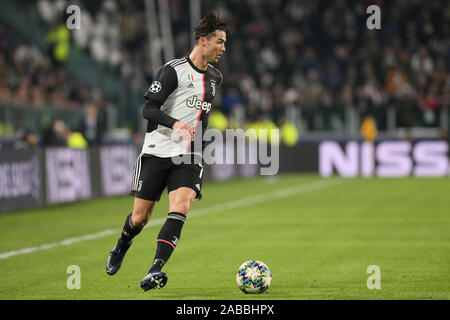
[{"x": 155, "y": 87}]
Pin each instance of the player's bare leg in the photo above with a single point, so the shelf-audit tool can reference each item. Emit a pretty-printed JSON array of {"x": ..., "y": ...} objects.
[
  {"x": 142, "y": 211},
  {"x": 180, "y": 201},
  {"x": 134, "y": 223}
]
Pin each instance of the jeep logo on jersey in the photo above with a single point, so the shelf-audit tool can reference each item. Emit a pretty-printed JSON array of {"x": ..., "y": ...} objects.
[{"x": 196, "y": 103}]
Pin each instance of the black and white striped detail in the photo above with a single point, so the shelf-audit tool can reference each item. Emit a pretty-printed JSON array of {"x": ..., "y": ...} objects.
[
  {"x": 177, "y": 62},
  {"x": 137, "y": 172},
  {"x": 177, "y": 216}
]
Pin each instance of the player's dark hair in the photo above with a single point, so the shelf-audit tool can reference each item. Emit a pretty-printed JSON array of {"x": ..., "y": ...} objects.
[{"x": 208, "y": 25}]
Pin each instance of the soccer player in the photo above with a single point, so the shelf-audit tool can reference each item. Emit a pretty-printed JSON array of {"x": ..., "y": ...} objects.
[{"x": 178, "y": 100}]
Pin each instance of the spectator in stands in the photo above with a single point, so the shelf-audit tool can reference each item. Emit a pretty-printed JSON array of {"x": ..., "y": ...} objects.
[
  {"x": 56, "y": 134},
  {"x": 92, "y": 125},
  {"x": 58, "y": 39},
  {"x": 26, "y": 140}
]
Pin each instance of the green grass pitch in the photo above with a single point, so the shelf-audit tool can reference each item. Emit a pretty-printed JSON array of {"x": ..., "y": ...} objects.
[{"x": 318, "y": 237}]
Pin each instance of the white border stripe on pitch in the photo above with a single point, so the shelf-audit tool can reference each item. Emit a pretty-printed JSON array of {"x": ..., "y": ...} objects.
[{"x": 283, "y": 193}]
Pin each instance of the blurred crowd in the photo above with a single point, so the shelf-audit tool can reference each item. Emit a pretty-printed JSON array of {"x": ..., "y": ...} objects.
[
  {"x": 321, "y": 57},
  {"x": 34, "y": 79},
  {"x": 29, "y": 76},
  {"x": 317, "y": 58},
  {"x": 88, "y": 131}
]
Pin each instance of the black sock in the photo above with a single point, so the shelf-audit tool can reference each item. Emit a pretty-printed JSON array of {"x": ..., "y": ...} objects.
[
  {"x": 128, "y": 232},
  {"x": 167, "y": 239}
]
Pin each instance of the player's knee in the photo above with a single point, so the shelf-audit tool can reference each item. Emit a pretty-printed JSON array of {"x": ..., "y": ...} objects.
[
  {"x": 141, "y": 212},
  {"x": 181, "y": 206},
  {"x": 139, "y": 219}
]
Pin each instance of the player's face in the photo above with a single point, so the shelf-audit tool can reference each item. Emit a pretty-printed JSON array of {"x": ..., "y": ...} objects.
[{"x": 215, "y": 46}]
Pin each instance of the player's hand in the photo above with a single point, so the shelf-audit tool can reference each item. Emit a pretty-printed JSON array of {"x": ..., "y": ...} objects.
[{"x": 183, "y": 130}]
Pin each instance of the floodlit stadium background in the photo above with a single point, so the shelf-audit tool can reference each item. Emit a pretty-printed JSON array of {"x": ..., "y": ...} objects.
[{"x": 349, "y": 101}]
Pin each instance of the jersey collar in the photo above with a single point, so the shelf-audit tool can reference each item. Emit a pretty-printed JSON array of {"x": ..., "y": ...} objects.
[{"x": 194, "y": 67}]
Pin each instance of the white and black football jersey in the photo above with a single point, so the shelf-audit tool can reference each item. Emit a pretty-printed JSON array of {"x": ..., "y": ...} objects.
[{"x": 185, "y": 93}]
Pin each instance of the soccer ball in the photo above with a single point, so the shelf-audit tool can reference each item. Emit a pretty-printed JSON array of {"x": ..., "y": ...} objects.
[{"x": 253, "y": 276}]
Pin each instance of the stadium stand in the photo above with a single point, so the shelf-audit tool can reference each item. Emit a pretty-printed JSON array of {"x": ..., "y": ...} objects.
[{"x": 313, "y": 64}]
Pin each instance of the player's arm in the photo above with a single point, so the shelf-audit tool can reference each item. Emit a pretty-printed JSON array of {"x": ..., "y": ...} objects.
[
  {"x": 153, "y": 113},
  {"x": 164, "y": 84}
]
